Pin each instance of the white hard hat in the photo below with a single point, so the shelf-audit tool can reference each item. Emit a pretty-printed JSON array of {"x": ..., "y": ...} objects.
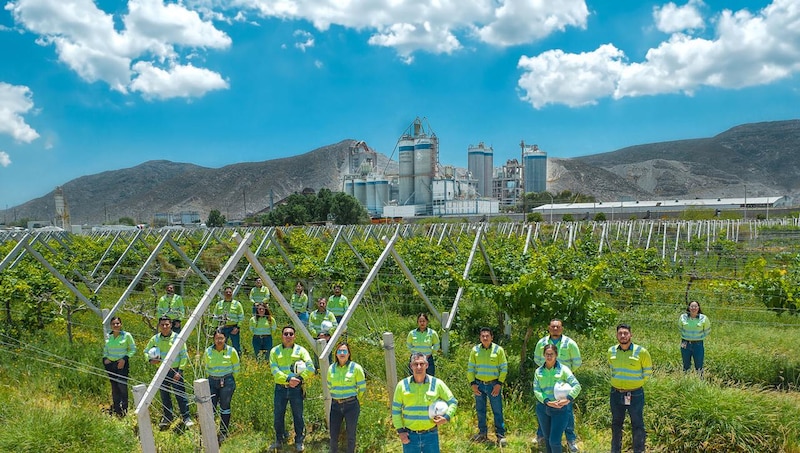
[
  {"x": 438, "y": 407},
  {"x": 299, "y": 367},
  {"x": 154, "y": 353},
  {"x": 326, "y": 326},
  {"x": 561, "y": 390}
]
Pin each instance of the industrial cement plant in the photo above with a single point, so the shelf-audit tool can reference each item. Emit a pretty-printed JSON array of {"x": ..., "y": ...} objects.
[{"x": 423, "y": 186}]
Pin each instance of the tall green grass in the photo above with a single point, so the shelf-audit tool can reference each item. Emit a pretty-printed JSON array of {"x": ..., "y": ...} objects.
[{"x": 747, "y": 401}]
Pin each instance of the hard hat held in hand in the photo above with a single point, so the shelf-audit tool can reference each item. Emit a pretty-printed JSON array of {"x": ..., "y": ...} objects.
[
  {"x": 154, "y": 353},
  {"x": 438, "y": 407},
  {"x": 298, "y": 367},
  {"x": 561, "y": 390}
]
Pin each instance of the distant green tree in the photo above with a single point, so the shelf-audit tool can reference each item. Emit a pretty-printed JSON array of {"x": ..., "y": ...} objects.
[
  {"x": 346, "y": 210},
  {"x": 567, "y": 218},
  {"x": 535, "y": 217},
  {"x": 600, "y": 217},
  {"x": 215, "y": 219},
  {"x": 126, "y": 221}
]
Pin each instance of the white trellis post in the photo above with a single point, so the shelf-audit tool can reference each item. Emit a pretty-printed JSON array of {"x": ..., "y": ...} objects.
[
  {"x": 146, "y": 438},
  {"x": 205, "y": 415},
  {"x": 391, "y": 364}
]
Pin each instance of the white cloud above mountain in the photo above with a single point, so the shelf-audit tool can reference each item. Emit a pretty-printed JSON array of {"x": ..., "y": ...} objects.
[
  {"x": 746, "y": 49},
  {"x": 16, "y": 101},
  {"x": 86, "y": 39}
]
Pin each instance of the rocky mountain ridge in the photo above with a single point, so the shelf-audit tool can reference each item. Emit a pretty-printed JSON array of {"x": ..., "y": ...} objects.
[{"x": 761, "y": 156}]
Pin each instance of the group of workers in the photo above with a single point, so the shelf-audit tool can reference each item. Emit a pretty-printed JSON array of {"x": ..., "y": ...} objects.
[{"x": 421, "y": 402}]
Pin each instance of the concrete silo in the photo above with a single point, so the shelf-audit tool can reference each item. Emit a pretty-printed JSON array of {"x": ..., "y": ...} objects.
[
  {"x": 480, "y": 162},
  {"x": 424, "y": 169},
  {"x": 534, "y": 163},
  {"x": 406, "y": 161}
]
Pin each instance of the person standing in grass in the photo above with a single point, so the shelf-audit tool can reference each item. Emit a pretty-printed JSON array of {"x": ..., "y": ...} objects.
[
  {"x": 338, "y": 303},
  {"x": 231, "y": 313},
  {"x": 163, "y": 342},
  {"x": 694, "y": 327},
  {"x": 117, "y": 352},
  {"x": 262, "y": 326},
  {"x": 291, "y": 366},
  {"x": 258, "y": 294},
  {"x": 569, "y": 354},
  {"x": 411, "y": 408},
  {"x": 555, "y": 388},
  {"x": 171, "y": 305},
  {"x": 347, "y": 385},
  {"x": 423, "y": 340},
  {"x": 222, "y": 365},
  {"x": 299, "y": 302},
  {"x": 631, "y": 367},
  {"x": 321, "y": 318},
  {"x": 487, "y": 369}
]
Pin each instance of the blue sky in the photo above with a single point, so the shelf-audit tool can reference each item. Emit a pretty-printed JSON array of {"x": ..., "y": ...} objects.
[{"x": 87, "y": 86}]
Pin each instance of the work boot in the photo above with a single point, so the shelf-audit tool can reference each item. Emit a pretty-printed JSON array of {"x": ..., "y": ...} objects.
[
  {"x": 480, "y": 437},
  {"x": 573, "y": 446},
  {"x": 502, "y": 441}
]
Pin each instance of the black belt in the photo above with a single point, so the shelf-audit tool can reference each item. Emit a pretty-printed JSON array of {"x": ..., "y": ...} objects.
[
  {"x": 262, "y": 336},
  {"x": 424, "y": 431},
  {"x": 693, "y": 341},
  {"x": 344, "y": 400},
  {"x": 221, "y": 377},
  {"x": 626, "y": 390}
]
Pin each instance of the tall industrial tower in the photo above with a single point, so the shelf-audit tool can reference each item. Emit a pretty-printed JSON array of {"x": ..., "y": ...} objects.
[
  {"x": 419, "y": 162},
  {"x": 480, "y": 162},
  {"x": 62, "y": 210},
  {"x": 534, "y": 164}
]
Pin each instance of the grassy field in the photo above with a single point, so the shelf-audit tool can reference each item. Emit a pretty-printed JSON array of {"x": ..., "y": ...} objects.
[{"x": 52, "y": 394}]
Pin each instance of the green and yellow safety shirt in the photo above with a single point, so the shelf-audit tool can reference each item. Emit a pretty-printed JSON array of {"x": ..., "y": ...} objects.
[
  {"x": 299, "y": 303},
  {"x": 119, "y": 346},
  {"x": 629, "y": 369},
  {"x": 281, "y": 360},
  {"x": 258, "y": 295},
  {"x": 172, "y": 307},
  {"x": 694, "y": 329},
  {"x": 338, "y": 304},
  {"x": 221, "y": 363},
  {"x": 164, "y": 344},
  {"x": 262, "y": 325},
  {"x": 411, "y": 401},
  {"x": 232, "y": 311},
  {"x": 568, "y": 352},
  {"x": 346, "y": 381},
  {"x": 315, "y": 320},
  {"x": 425, "y": 342},
  {"x": 487, "y": 364},
  {"x": 545, "y": 379}
]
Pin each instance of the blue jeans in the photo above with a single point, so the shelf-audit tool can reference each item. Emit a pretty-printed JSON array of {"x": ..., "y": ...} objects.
[
  {"x": 347, "y": 412},
  {"x": 497, "y": 408},
  {"x": 221, "y": 394},
  {"x": 570, "y": 431},
  {"x": 422, "y": 443},
  {"x": 233, "y": 337},
  {"x": 179, "y": 387},
  {"x": 262, "y": 344},
  {"x": 636, "y": 412},
  {"x": 693, "y": 350},
  {"x": 553, "y": 422},
  {"x": 303, "y": 318},
  {"x": 294, "y": 397}
]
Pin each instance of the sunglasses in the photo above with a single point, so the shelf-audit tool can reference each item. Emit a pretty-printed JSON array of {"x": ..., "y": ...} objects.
[
  {"x": 288, "y": 334},
  {"x": 342, "y": 351}
]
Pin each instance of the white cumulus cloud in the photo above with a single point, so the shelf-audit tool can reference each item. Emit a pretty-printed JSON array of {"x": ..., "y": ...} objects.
[
  {"x": 672, "y": 18},
  {"x": 87, "y": 40},
  {"x": 435, "y": 26},
  {"x": 5, "y": 159},
  {"x": 15, "y": 101},
  {"x": 746, "y": 49},
  {"x": 185, "y": 81},
  {"x": 306, "y": 40}
]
